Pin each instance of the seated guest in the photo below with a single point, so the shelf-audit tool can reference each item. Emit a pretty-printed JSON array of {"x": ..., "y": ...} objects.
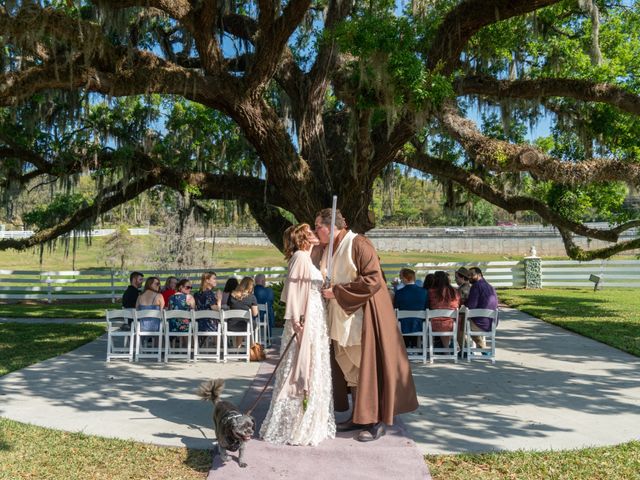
[
  {"x": 230, "y": 286},
  {"x": 169, "y": 288},
  {"x": 130, "y": 295},
  {"x": 150, "y": 299},
  {"x": 242, "y": 298},
  {"x": 444, "y": 296},
  {"x": 398, "y": 282},
  {"x": 264, "y": 295},
  {"x": 462, "y": 280},
  {"x": 481, "y": 295},
  {"x": 462, "y": 277},
  {"x": 429, "y": 279},
  {"x": 181, "y": 300},
  {"x": 208, "y": 299},
  {"x": 411, "y": 297}
]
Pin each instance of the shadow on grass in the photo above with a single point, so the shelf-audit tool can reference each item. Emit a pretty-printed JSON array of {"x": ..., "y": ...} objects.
[
  {"x": 199, "y": 460},
  {"x": 25, "y": 344},
  {"x": 560, "y": 305}
]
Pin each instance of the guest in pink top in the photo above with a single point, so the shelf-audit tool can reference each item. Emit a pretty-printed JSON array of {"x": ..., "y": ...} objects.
[{"x": 443, "y": 295}]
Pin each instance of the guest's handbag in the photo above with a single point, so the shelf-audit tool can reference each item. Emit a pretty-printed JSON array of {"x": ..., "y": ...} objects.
[{"x": 256, "y": 353}]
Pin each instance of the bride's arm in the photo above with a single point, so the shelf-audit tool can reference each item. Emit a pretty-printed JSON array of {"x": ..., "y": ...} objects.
[{"x": 296, "y": 291}]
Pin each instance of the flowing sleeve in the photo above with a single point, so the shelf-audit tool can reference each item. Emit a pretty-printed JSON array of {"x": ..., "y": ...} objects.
[
  {"x": 353, "y": 295},
  {"x": 296, "y": 296},
  {"x": 296, "y": 287}
]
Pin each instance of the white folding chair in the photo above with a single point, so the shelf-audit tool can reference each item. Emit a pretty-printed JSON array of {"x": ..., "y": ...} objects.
[
  {"x": 488, "y": 353},
  {"x": 205, "y": 351},
  {"x": 116, "y": 319},
  {"x": 263, "y": 324},
  {"x": 419, "y": 352},
  {"x": 143, "y": 334},
  {"x": 445, "y": 352},
  {"x": 178, "y": 351},
  {"x": 236, "y": 352}
]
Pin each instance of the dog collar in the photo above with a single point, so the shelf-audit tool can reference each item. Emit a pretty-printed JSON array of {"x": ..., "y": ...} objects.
[{"x": 230, "y": 416}]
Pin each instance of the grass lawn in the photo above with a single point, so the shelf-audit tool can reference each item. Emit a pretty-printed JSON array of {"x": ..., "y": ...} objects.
[
  {"x": 33, "y": 452},
  {"x": 611, "y": 315},
  {"x": 29, "y": 452},
  {"x": 25, "y": 344},
  {"x": 92, "y": 257},
  {"x": 619, "y": 462},
  {"x": 57, "y": 310}
]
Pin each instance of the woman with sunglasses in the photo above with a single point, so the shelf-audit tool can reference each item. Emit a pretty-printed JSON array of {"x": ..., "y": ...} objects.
[
  {"x": 150, "y": 299},
  {"x": 181, "y": 300}
]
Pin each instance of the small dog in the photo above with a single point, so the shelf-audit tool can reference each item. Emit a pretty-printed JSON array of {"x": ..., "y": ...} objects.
[{"x": 233, "y": 428}]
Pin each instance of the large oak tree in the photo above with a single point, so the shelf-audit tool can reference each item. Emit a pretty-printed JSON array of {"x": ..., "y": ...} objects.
[{"x": 282, "y": 104}]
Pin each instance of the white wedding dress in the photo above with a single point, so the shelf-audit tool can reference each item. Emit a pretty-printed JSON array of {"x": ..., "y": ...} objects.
[{"x": 287, "y": 422}]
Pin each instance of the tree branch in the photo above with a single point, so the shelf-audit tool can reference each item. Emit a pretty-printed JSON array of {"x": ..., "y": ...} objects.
[
  {"x": 271, "y": 221},
  {"x": 578, "y": 253},
  {"x": 205, "y": 19},
  {"x": 56, "y": 24},
  {"x": 512, "y": 204},
  {"x": 101, "y": 203},
  {"x": 271, "y": 41},
  {"x": 240, "y": 26},
  {"x": 463, "y": 21},
  {"x": 178, "y": 9},
  {"x": 140, "y": 73},
  {"x": 503, "y": 156},
  {"x": 584, "y": 90},
  {"x": 328, "y": 51}
]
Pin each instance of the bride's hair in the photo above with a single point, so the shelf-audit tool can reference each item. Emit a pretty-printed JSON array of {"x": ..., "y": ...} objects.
[{"x": 295, "y": 238}]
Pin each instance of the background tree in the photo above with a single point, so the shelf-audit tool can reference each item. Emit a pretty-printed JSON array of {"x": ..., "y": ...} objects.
[
  {"x": 121, "y": 247},
  {"x": 281, "y": 104}
]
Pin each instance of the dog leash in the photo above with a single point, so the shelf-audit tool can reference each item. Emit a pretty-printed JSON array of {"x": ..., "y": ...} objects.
[{"x": 284, "y": 352}]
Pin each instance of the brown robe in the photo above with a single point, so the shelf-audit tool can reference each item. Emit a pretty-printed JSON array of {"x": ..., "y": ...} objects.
[{"x": 385, "y": 385}]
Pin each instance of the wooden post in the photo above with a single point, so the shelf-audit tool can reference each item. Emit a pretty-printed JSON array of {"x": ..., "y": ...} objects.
[
  {"x": 113, "y": 287},
  {"x": 49, "y": 296}
]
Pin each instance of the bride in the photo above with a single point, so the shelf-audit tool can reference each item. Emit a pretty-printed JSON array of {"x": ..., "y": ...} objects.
[{"x": 301, "y": 410}]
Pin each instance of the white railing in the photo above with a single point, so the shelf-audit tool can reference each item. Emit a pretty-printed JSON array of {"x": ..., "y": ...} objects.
[
  {"x": 612, "y": 273},
  {"x": 109, "y": 284},
  {"x": 102, "y": 284},
  {"x": 498, "y": 274},
  {"x": 99, "y": 232}
]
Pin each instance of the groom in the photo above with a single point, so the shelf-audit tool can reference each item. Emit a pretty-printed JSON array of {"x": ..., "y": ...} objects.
[{"x": 369, "y": 351}]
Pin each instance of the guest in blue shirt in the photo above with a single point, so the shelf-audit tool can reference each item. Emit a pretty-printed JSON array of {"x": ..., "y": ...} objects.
[
  {"x": 264, "y": 295},
  {"x": 410, "y": 297}
]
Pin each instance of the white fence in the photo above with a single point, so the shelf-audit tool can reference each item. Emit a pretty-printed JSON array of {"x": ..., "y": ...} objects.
[
  {"x": 101, "y": 232},
  {"x": 109, "y": 284},
  {"x": 100, "y": 284},
  {"x": 612, "y": 273},
  {"x": 499, "y": 274}
]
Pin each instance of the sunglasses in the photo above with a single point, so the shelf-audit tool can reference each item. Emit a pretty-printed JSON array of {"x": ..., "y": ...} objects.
[{"x": 187, "y": 287}]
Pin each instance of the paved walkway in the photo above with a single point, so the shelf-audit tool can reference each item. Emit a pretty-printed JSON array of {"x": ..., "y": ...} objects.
[
  {"x": 550, "y": 389},
  {"x": 393, "y": 456}
]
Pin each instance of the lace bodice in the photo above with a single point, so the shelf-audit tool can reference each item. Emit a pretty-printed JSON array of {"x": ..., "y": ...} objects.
[{"x": 316, "y": 279}]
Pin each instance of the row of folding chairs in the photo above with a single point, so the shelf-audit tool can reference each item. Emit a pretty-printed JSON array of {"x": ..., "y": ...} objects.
[
  {"x": 138, "y": 341},
  {"x": 425, "y": 349}
]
